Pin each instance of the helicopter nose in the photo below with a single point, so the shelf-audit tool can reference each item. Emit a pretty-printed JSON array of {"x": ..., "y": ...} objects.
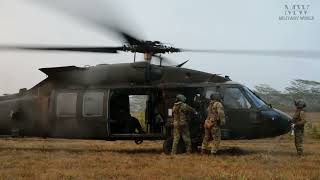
[{"x": 284, "y": 122}]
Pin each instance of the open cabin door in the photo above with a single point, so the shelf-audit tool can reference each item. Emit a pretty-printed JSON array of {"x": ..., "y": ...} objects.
[{"x": 134, "y": 114}]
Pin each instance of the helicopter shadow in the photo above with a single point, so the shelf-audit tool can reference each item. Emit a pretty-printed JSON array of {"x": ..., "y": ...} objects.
[
  {"x": 227, "y": 151},
  {"x": 235, "y": 151},
  {"x": 137, "y": 151},
  {"x": 40, "y": 149},
  {"x": 81, "y": 150}
]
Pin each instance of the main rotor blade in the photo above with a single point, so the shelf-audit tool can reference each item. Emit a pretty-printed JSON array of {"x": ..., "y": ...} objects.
[
  {"x": 61, "y": 48},
  {"x": 281, "y": 53},
  {"x": 98, "y": 13}
]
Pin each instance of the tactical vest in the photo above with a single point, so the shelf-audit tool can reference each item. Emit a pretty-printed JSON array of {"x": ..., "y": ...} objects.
[
  {"x": 179, "y": 113},
  {"x": 297, "y": 118},
  {"x": 213, "y": 111}
]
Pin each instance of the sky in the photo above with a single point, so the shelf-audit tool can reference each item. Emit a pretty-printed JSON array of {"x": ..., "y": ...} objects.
[{"x": 205, "y": 24}]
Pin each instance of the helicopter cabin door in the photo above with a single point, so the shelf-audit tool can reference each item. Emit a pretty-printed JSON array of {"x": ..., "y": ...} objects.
[
  {"x": 64, "y": 116},
  {"x": 237, "y": 111},
  {"x": 79, "y": 114},
  {"x": 93, "y": 114}
]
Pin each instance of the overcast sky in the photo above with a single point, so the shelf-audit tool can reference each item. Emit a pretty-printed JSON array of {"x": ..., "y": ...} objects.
[{"x": 207, "y": 24}]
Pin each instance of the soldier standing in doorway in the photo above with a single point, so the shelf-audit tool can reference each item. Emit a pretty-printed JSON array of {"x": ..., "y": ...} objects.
[
  {"x": 299, "y": 119},
  {"x": 180, "y": 112},
  {"x": 215, "y": 119}
]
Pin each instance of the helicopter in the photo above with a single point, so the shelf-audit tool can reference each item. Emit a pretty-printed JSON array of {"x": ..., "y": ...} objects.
[{"x": 93, "y": 102}]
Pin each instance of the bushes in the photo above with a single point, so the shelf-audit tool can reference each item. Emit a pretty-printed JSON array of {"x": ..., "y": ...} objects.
[{"x": 313, "y": 130}]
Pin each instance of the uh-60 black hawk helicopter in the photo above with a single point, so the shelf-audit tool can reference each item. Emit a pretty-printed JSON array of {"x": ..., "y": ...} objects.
[{"x": 94, "y": 102}]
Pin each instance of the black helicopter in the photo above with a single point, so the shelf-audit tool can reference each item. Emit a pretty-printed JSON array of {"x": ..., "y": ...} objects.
[{"x": 94, "y": 102}]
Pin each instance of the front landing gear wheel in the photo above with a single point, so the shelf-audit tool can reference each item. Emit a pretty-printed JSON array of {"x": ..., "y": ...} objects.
[{"x": 167, "y": 146}]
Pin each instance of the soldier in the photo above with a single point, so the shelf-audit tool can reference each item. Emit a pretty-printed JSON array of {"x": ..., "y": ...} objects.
[
  {"x": 215, "y": 119},
  {"x": 133, "y": 124},
  {"x": 299, "y": 119},
  {"x": 180, "y": 123}
]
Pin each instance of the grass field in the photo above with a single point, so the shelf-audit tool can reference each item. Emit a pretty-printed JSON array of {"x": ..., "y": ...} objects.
[{"x": 275, "y": 158}]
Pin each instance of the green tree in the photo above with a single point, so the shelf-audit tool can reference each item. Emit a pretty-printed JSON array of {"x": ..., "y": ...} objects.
[
  {"x": 266, "y": 89},
  {"x": 306, "y": 90},
  {"x": 304, "y": 87}
]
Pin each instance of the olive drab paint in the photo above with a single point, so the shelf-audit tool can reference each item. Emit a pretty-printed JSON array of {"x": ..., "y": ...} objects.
[{"x": 47, "y": 111}]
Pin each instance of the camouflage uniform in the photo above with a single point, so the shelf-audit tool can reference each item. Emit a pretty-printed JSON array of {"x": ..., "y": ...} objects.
[
  {"x": 217, "y": 118},
  {"x": 299, "y": 120},
  {"x": 181, "y": 126}
]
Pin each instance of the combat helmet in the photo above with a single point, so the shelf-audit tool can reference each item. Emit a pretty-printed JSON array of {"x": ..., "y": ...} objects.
[
  {"x": 215, "y": 96},
  {"x": 300, "y": 104},
  {"x": 180, "y": 97}
]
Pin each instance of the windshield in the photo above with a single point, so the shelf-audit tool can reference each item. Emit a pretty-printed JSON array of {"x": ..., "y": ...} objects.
[
  {"x": 256, "y": 100},
  {"x": 235, "y": 99}
]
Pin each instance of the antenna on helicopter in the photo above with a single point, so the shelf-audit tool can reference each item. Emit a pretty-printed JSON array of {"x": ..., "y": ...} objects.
[{"x": 180, "y": 65}]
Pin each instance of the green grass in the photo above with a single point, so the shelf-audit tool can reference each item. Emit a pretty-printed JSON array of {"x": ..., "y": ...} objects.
[
  {"x": 79, "y": 159},
  {"x": 35, "y": 158}
]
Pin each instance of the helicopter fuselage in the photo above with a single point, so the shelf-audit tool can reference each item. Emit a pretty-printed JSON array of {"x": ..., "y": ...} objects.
[{"x": 99, "y": 103}]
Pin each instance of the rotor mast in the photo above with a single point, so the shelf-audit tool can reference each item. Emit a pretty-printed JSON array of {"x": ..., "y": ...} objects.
[{"x": 147, "y": 56}]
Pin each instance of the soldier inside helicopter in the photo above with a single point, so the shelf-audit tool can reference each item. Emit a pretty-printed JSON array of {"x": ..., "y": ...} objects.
[
  {"x": 121, "y": 118},
  {"x": 143, "y": 111}
]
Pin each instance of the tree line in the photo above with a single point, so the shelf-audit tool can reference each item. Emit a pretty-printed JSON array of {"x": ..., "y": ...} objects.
[{"x": 307, "y": 90}]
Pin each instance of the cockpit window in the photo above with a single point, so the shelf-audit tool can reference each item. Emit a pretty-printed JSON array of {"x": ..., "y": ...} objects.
[
  {"x": 257, "y": 101},
  {"x": 234, "y": 99}
]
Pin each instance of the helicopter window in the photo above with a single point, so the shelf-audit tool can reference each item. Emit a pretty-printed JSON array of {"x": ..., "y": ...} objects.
[
  {"x": 210, "y": 91},
  {"x": 234, "y": 99},
  {"x": 66, "y": 104},
  {"x": 93, "y": 104},
  {"x": 257, "y": 101}
]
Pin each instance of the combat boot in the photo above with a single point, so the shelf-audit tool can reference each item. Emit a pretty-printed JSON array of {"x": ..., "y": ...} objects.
[
  {"x": 189, "y": 150},
  {"x": 203, "y": 151},
  {"x": 213, "y": 152},
  {"x": 300, "y": 153}
]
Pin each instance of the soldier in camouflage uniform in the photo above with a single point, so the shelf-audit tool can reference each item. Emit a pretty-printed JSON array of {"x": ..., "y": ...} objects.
[
  {"x": 180, "y": 123},
  {"x": 299, "y": 119},
  {"x": 215, "y": 119}
]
